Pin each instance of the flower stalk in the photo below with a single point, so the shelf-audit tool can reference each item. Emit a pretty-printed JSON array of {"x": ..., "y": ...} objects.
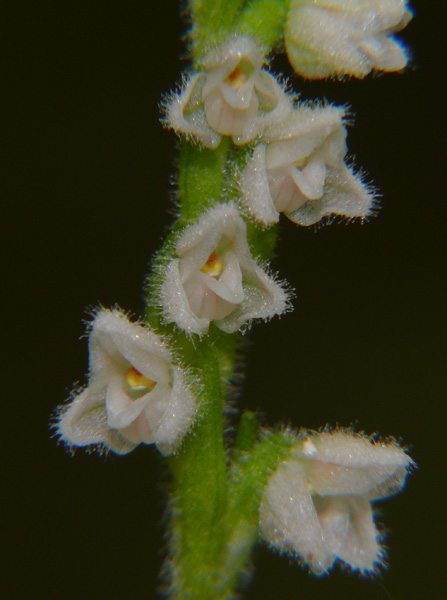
[{"x": 250, "y": 152}]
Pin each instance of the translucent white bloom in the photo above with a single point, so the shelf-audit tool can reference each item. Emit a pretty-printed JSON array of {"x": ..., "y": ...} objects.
[
  {"x": 301, "y": 171},
  {"x": 345, "y": 37},
  {"x": 135, "y": 394},
  {"x": 216, "y": 279},
  {"x": 231, "y": 95},
  {"x": 317, "y": 505}
]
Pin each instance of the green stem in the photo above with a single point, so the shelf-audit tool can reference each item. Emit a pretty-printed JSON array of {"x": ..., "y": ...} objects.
[
  {"x": 212, "y": 21},
  {"x": 200, "y": 491},
  {"x": 248, "y": 476},
  {"x": 264, "y": 19},
  {"x": 202, "y": 174},
  {"x": 199, "y": 484}
]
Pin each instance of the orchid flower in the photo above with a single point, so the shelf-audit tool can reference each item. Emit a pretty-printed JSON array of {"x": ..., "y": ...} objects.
[
  {"x": 215, "y": 278},
  {"x": 230, "y": 95},
  {"x": 301, "y": 171},
  {"x": 317, "y": 504},
  {"x": 135, "y": 392},
  {"x": 327, "y": 38}
]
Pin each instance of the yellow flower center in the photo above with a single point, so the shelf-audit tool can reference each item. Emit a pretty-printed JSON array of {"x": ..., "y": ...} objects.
[
  {"x": 137, "y": 382},
  {"x": 238, "y": 76},
  {"x": 214, "y": 265},
  {"x": 299, "y": 164}
]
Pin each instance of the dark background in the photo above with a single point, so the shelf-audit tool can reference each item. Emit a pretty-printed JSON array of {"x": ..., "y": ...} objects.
[{"x": 88, "y": 169}]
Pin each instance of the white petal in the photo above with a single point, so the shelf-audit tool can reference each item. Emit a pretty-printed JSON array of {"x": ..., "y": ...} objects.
[
  {"x": 121, "y": 410},
  {"x": 178, "y": 416},
  {"x": 175, "y": 302},
  {"x": 232, "y": 52},
  {"x": 203, "y": 301},
  {"x": 200, "y": 240},
  {"x": 286, "y": 193},
  {"x": 288, "y": 520},
  {"x": 349, "y": 531},
  {"x": 345, "y": 195},
  {"x": 185, "y": 114},
  {"x": 305, "y": 130},
  {"x": 255, "y": 189},
  {"x": 225, "y": 118},
  {"x": 167, "y": 417},
  {"x": 344, "y": 463},
  {"x": 229, "y": 285},
  {"x": 153, "y": 406},
  {"x": 263, "y": 299},
  {"x": 274, "y": 107},
  {"x": 311, "y": 179},
  {"x": 384, "y": 53},
  {"x": 84, "y": 423},
  {"x": 355, "y": 450},
  {"x": 243, "y": 97},
  {"x": 116, "y": 342}
]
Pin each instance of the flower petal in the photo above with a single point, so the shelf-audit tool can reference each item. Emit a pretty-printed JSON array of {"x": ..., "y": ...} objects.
[
  {"x": 185, "y": 114},
  {"x": 349, "y": 532},
  {"x": 117, "y": 341},
  {"x": 178, "y": 417},
  {"x": 263, "y": 299},
  {"x": 288, "y": 520},
  {"x": 344, "y": 463},
  {"x": 344, "y": 195},
  {"x": 121, "y": 410},
  {"x": 84, "y": 423},
  {"x": 255, "y": 190}
]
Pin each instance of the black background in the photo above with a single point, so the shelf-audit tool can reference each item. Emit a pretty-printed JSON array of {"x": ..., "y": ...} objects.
[{"x": 88, "y": 170}]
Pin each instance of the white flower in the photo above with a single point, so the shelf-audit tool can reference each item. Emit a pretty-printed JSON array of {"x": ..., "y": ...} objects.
[
  {"x": 216, "y": 279},
  {"x": 301, "y": 171},
  {"x": 345, "y": 37},
  {"x": 135, "y": 394},
  {"x": 231, "y": 95},
  {"x": 317, "y": 505}
]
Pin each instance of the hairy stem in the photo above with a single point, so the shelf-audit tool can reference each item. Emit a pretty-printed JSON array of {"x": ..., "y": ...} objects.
[{"x": 200, "y": 491}]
